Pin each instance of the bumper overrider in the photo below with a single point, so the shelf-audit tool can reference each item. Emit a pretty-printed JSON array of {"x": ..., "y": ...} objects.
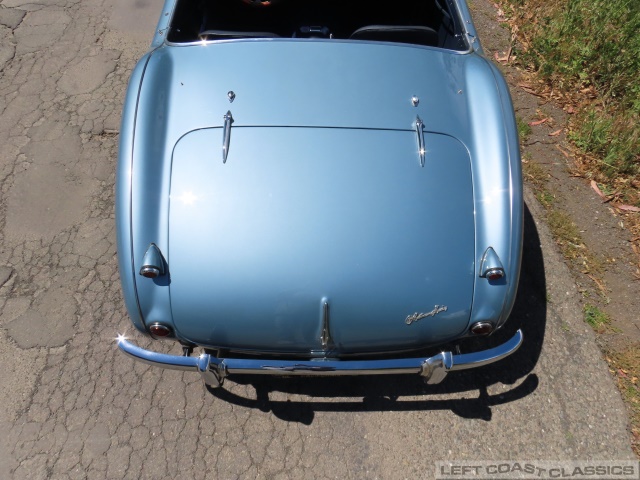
[{"x": 214, "y": 370}]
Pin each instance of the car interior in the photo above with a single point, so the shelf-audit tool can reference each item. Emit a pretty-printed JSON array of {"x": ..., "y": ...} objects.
[{"x": 432, "y": 23}]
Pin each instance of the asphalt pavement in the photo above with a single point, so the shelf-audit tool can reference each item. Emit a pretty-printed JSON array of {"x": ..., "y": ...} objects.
[{"x": 74, "y": 407}]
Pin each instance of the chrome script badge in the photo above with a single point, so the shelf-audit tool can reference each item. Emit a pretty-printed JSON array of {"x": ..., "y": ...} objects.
[{"x": 419, "y": 316}]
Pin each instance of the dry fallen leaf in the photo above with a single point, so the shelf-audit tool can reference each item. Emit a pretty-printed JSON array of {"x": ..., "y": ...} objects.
[
  {"x": 626, "y": 208},
  {"x": 598, "y": 283},
  {"x": 530, "y": 90},
  {"x": 594, "y": 185},
  {"x": 504, "y": 58},
  {"x": 562, "y": 151},
  {"x": 538, "y": 122},
  {"x": 556, "y": 133}
]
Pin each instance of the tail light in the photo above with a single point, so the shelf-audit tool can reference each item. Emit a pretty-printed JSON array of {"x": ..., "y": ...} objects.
[
  {"x": 494, "y": 274},
  {"x": 482, "y": 328},
  {"x": 160, "y": 331},
  {"x": 152, "y": 263},
  {"x": 491, "y": 267}
]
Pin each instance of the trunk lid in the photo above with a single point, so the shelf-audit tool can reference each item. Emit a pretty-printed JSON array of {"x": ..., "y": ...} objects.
[{"x": 297, "y": 217}]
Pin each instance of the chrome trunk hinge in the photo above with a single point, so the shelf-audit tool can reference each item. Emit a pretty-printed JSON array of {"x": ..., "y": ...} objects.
[
  {"x": 226, "y": 135},
  {"x": 420, "y": 133}
]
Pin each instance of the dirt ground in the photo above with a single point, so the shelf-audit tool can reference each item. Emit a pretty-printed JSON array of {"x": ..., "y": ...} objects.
[
  {"x": 615, "y": 289},
  {"x": 604, "y": 263}
]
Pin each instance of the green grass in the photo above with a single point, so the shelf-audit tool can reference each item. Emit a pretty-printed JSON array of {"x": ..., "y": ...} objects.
[
  {"x": 533, "y": 172},
  {"x": 524, "y": 129},
  {"x": 590, "y": 51},
  {"x": 595, "y": 317},
  {"x": 545, "y": 198}
]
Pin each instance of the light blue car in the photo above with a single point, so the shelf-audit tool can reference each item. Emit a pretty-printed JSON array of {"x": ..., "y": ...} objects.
[{"x": 318, "y": 187}]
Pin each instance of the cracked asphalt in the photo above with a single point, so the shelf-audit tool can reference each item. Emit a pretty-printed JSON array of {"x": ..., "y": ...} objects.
[{"x": 73, "y": 407}]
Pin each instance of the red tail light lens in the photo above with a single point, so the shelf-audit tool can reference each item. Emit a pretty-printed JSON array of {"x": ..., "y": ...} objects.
[
  {"x": 482, "y": 328},
  {"x": 495, "y": 274},
  {"x": 150, "y": 272},
  {"x": 158, "y": 330}
]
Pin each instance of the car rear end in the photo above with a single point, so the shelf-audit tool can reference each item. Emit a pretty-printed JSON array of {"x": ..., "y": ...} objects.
[{"x": 318, "y": 201}]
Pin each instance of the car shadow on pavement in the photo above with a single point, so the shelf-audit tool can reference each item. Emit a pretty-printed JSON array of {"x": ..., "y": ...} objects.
[{"x": 408, "y": 392}]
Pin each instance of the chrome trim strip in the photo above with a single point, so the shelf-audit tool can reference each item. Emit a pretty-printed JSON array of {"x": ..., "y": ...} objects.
[
  {"x": 325, "y": 338},
  {"x": 213, "y": 370},
  {"x": 200, "y": 43}
]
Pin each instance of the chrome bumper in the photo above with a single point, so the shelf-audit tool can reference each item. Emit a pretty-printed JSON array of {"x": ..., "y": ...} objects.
[{"x": 214, "y": 370}]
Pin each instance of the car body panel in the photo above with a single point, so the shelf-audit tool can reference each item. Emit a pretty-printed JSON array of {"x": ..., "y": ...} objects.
[
  {"x": 301, "y": 82},
  {"x": 297, "y": 215},
  {"x": 123, "y": 206},
  {"x": 321, "y": 228}
]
